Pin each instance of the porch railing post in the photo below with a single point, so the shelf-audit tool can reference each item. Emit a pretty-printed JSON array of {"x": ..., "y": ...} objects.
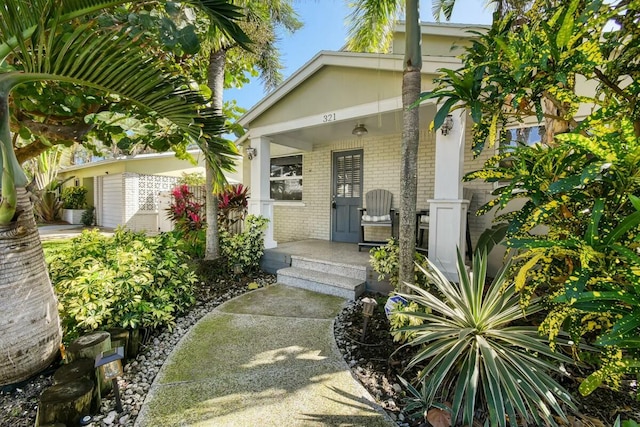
[
  {"x": 260, "y": 202},
  {"x": 447, "y": 210}
]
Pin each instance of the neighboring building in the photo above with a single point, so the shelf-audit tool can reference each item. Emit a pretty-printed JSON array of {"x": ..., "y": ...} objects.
[
  {"x": 125, "y": 191},
  {"x": 309, "y": 170}
]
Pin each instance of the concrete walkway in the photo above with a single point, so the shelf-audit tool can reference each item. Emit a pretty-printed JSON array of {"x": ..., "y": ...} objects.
[
  {"x": 66, "y": 231},
  {"x": 266, "y": 358}
]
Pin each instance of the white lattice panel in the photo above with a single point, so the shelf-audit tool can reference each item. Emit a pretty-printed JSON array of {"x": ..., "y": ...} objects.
[{"x": 150, "y": 187}]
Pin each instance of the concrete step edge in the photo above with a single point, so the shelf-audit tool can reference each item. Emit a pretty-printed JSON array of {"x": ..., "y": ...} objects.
[{"x": 321, "y": 277}]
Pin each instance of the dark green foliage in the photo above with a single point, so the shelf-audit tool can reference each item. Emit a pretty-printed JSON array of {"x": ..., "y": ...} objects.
[
  {"x": 88, "y": 217},
  {"x": 74, "y": 197},
  {"x": 128, "y": 280}
]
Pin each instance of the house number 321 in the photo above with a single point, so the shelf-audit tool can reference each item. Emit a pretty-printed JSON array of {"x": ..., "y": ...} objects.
[{"x": 331, "y": 117}]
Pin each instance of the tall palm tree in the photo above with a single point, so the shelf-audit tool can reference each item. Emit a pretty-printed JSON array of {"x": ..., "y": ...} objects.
[
  {"x": 371, "y": 29},
  {"x": 261, "y": 22},
  {"x": 48, "y": 40}
]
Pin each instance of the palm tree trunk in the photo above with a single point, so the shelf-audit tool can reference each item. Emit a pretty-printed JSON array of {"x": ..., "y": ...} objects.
[
  {"x": 29, "y": 323},
  {"x": 409, "y": 176},
  {"x": 411, "y": 86},
  {"x": 215, "y": 77}
]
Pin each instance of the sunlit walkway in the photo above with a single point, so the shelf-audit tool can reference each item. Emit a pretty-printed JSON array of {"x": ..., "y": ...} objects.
[{"x": 266, "y": 358}]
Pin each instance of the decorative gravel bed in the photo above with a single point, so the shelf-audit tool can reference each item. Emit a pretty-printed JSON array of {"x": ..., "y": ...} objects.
[
  {"x": 18, "y": 404},
  {"x": 372, "y": 359}
]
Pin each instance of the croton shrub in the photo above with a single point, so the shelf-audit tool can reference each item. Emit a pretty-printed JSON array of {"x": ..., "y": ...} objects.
[
  {"x": 576, "y": 240},
  {"x": 587, "y": 263}
]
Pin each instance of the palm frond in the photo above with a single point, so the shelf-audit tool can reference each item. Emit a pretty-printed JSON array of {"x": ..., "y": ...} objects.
[
  {"x": 20, "y": 19},
  {"x": 440, "y": 8},
  {"x": 111, "y": 62},
  {"x": 371, "y": 24}
]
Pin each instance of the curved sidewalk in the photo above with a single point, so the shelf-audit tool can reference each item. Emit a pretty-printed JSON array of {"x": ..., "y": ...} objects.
[{"x": 266, "y": 358}]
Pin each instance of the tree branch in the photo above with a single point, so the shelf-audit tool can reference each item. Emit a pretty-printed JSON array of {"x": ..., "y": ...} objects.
[
  {"x": 33, "y": 150},
  {"x": 56, "y": 134},
  {"x": 614, "y": 87}
]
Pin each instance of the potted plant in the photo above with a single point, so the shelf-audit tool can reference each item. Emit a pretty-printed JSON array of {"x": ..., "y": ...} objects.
[{"x": 74, "y": 204}]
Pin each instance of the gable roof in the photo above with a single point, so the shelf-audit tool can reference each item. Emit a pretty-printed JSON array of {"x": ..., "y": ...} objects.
[{"x": 371, "y": 61}]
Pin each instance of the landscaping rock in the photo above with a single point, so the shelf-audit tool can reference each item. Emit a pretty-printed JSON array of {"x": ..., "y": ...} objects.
[{"x": 18, "y": 405}]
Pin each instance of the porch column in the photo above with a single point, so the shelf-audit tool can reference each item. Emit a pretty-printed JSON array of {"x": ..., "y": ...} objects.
[
  {"x": 447, "y": 211},
  {"x": 260, "y": 202}
]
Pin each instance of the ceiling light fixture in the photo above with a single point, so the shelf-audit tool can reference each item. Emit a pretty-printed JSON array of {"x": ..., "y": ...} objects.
[{"x": 360, "y": 130}]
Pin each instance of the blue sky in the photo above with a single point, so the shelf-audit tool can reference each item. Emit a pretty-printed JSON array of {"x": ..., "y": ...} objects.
[{"x": 325, "y": 29}]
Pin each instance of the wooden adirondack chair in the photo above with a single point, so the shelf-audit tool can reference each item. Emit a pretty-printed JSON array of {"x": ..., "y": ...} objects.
[{"x": 378, "y": 213}]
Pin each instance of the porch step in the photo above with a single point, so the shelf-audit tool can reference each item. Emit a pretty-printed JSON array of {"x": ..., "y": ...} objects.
[
  {"x": 322, "y": 282},
  {"x": 272, "y": 261},
  {"x": 337, "y": 268}
]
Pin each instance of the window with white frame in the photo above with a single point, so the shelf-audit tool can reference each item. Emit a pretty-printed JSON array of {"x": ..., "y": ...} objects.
[{"x": 286, "y": 178}]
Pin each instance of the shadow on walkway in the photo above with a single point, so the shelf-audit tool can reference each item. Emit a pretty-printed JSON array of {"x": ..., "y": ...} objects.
[{"x": 266, "y": 358}]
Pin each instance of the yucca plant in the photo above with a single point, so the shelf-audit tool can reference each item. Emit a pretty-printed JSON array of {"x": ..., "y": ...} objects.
[{"x": 473, "y": 354}]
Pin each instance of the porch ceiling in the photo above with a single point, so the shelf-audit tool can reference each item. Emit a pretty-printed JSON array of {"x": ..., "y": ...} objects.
[{"x": 379, "y": 124}]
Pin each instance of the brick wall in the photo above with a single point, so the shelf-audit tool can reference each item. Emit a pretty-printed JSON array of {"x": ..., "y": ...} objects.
[{"x": 311, "y": 219}]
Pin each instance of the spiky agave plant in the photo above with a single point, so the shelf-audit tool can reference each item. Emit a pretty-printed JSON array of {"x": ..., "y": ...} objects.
[{"x": 473, "y": 355}]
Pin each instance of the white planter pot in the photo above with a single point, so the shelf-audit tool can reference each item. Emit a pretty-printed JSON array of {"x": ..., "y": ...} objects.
[{"x": 72, "y": 216}]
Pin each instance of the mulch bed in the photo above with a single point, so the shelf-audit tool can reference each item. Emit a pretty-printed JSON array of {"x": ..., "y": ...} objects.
[{"x": 377, "y": 362}]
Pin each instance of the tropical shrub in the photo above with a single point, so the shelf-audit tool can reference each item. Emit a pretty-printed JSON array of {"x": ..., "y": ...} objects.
[
  {"x": 582, "y": 192},
  {"x": 240, "y": 251},
  {"x": 188, "y": 216},
  {"x": 74, "y": 197},
  {"x": 577, "y": 236},
  {"x": 88, "y": 217},
  {"x": 47, "y": 205},
  {"x": 398, "y": 320},
  {"x": 184, "y": 210},
  {"x": 232, "y": 207},
  {"x": 191, "y": 179},
  {"x": 43, "y": 170},
  {"x": 128, "y": 280},
  {"x": 243, "y": 251},
  {"x": 385, "y": 261},
  {"x": 474, "y": 355}
]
